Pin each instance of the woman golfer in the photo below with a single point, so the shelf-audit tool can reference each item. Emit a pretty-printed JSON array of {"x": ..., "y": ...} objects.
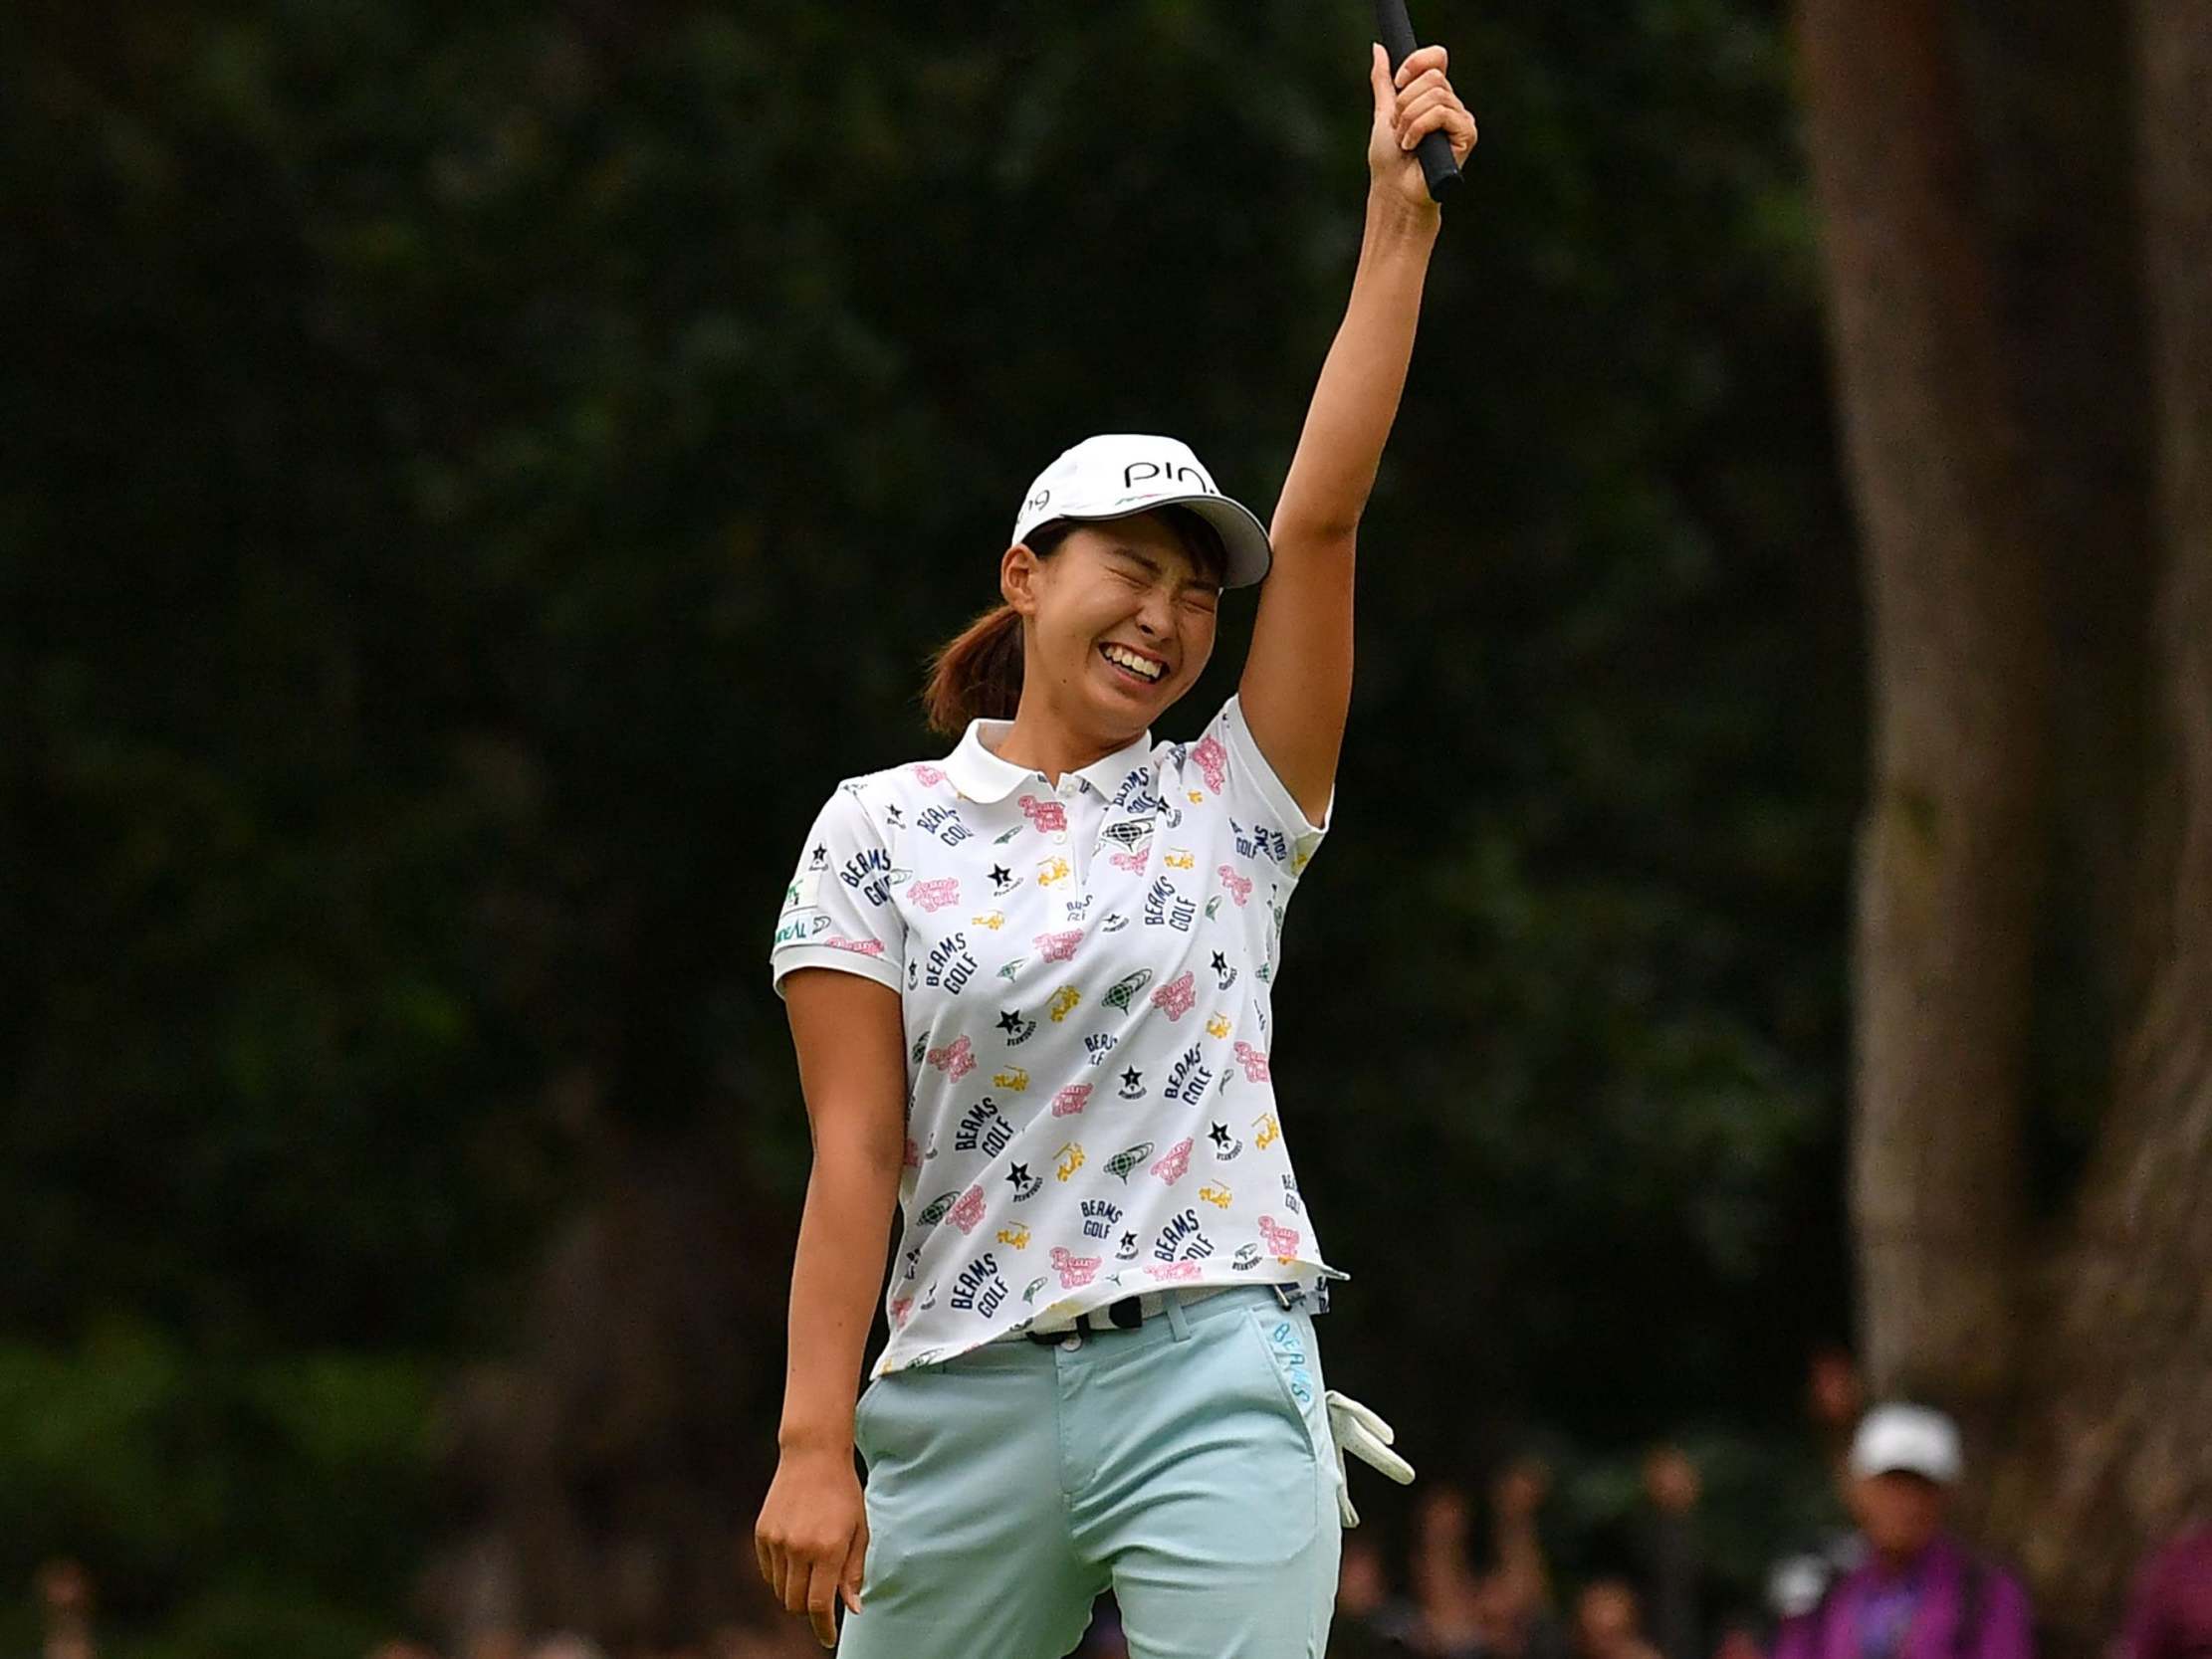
[{"x": 1029, "y": 986}]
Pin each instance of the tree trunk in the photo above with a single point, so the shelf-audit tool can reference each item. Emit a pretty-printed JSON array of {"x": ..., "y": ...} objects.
[
  {"x": 1950, "y": 847},
  {"x": 2120, "y": 1448},
  {"x": 2083, "y": 1363}
]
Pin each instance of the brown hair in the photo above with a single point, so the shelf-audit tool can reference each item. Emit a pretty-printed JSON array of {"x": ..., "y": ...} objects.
[{"x": 977, "y": 674}]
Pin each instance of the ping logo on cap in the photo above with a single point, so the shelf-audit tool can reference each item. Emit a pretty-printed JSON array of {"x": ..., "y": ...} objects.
[{"x": 1170, "y": 472}]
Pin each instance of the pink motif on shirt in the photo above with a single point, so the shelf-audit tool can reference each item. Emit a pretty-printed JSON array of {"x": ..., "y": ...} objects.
[
  {"x": 1253, "y": 1062},
  {"x": 935, "y": 895},
  {"x": 1045, "y": 815},
  {"x": 1174, "y": 1269},
  {"x": 913, "y": 1153},
  {"x": 1071, "y": 1100},
  {"x": 1175, "y": 1164},
  {"x": 1059, "y": 947},
  {"x": 1239, "y": 887},
  {"x": 858, "y": 947},
  {"x": 970, "y": 1210},
  {"x": 928, "y": 776},
  {"x": 1281, "y": 1240},
  {"x": 1176, "y": 998},
  {"x": 1075, "y": 1271},
  {"x": 1213, "y": 761},
  {"x": 900, "y": 1309},
  {"x": 954, "y": 1061},
  {"x": 1133, "y": 862}
]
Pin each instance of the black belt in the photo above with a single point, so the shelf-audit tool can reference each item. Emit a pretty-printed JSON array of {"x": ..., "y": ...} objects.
[{"x": 1125, "y": 1315}]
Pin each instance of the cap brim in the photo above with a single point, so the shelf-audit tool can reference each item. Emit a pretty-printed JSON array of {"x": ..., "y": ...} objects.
[
  {"x": 1243, "y": 536},
  {"x": 1871, "y": 1467}
]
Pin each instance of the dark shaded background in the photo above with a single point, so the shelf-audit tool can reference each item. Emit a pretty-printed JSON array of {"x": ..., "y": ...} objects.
[{"x": 474, "y": 481}]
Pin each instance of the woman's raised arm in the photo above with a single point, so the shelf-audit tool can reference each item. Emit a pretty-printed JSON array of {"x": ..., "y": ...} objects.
[{"x": 1297, "y": 683}]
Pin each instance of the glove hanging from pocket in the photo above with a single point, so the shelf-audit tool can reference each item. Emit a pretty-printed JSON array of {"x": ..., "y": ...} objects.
[{"x": 1358, "y": 1430}]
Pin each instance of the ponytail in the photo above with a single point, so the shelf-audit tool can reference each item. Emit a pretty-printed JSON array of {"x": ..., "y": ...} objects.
[{"x": 976, "y": 675}]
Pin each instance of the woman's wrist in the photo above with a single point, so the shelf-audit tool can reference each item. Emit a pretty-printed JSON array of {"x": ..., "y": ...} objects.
[
  {"x": 1390, "y": 217},
  {"x": 815, "y": 1435}
]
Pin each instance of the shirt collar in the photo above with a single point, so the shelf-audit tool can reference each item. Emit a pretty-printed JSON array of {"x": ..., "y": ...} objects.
[{"x": 980, "y": 774}]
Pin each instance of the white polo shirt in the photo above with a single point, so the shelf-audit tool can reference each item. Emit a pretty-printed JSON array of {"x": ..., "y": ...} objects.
[{"x": 1084, "y": 973}]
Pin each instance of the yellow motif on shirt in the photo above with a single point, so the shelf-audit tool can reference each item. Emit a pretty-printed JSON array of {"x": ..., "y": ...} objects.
[
  {"x": 1269, "y": 1133},
  {"x": 994, "y": 920},
  {"x": 1179, "y": 858},
  {"x": 1071, "y": 1159},
  {"x": 1197, "y": 796},
  {"x": 1214, "y": 1195},
  {"x": 1017, "y": 1235},
  {"x": 1217, "y": 1026},
  {"x": 1063, "y": 1003},
  {"x": 1052, "y": 872},
  {"x": 1016, "y": 1080}
]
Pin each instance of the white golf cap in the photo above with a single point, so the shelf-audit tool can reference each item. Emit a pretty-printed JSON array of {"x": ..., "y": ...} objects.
[
  {"x": 1116, "y": 474},
  {"x": 1912, "y": 1438}
]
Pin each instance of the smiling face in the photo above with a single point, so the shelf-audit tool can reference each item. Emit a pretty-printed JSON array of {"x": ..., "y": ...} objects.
[{"x": 1118, "y": 621}]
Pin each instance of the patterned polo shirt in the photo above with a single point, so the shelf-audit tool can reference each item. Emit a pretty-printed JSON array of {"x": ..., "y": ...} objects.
[{"x": 1084, "y": 973}]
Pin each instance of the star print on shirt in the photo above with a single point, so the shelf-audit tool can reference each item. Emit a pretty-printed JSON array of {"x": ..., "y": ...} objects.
[
  {"x": 1220, "y": 1135},
  {"x": 1001, "y": 877},
  {"x": 892, "y": 815},
  {"x": 1220, "y": 962},
  {"x": 1131, "y": 1078},
  {"x": 1010, "y": 1022},
  {"x": 1017, "y": 1174}
]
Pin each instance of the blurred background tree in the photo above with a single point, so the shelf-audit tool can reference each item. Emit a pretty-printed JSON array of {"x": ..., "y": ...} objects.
[{"x": 2019, "y": 228}]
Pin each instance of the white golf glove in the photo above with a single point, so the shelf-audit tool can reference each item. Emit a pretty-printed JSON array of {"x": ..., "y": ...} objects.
[{"x": 1358, "y": 1430}]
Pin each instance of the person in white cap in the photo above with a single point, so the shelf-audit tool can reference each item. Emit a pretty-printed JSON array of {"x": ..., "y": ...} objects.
[
  {"x": 1917, "y": 1592},
  {"x": 1029, "y": 983}
]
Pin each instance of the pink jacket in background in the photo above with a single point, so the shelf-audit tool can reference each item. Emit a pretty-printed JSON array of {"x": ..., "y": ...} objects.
[
  {"x": 2171, "y": 1615},
  {"x": 2001, "y": 1626}
]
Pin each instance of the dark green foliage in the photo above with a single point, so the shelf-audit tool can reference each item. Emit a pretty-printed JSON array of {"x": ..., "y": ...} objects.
[{"x": 476, "y": 479}]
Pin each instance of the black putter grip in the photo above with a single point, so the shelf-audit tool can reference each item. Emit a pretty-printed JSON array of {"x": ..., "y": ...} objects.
[{"x": 1434, "y": 150}]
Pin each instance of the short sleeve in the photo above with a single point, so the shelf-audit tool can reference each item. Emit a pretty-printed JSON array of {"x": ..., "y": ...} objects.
[
  {"x": 837, "y": 912},
  {"x": 1229, "y": 764}
]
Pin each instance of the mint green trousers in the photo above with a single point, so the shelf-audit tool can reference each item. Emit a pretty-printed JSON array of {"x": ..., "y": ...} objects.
[{"x": 1185, "y": 1464}]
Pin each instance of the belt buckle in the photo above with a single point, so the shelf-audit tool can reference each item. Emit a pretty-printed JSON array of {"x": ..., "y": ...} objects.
[{"x": 1123, "y": 1313}]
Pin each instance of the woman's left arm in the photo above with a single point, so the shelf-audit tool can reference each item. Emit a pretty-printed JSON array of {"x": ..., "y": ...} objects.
[{"x": 1297, "y": 685}]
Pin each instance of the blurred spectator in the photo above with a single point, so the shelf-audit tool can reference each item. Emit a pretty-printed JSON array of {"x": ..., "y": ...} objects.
[
  {"x": 1666, "y": 1554},
  {"x": 1516, "y": 1497},
  {"x": 494, "y": 1644},
  {"x": 1511, "y": 1624},
  {"x": 1447, "y": 1595},
  {"x": 1443, "y": 1576},
  {"x": 1918, "y": 1593},
  {"x": 1608, "y": 1622},
  {"x": 1370, "y": 1621},
  {"x": 1833, "y": 1402},
  {"x": 1499, "y": 1614},
  {"x": 66, "y": 1599},
  {"x": 2171, "y": 1617}
]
